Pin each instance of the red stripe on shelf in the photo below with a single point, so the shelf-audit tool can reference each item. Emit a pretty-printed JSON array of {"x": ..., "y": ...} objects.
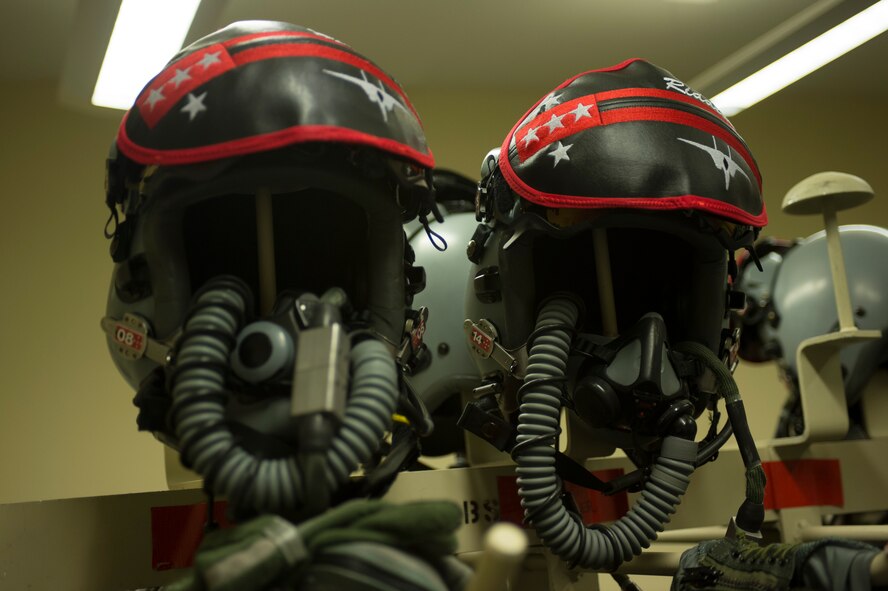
[
  {"x": 803, "y": 483},
  {"x": 594, "y": 506},
  {"x": 176, "y": 533}
]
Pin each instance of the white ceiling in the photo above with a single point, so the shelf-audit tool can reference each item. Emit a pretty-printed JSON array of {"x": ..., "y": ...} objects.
[{"x": 479, "y": 44}]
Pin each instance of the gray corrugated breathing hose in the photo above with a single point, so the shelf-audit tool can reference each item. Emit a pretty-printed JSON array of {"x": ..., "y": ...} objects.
[
  {"x": 601, "y": 547},
  {"x": 200, "y": 398}
]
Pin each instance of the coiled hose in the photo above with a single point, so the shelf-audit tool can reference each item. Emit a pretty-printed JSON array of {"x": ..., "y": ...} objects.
[
  {"x": 200, "y": 398},
  {"x": 597, "y": 547}
]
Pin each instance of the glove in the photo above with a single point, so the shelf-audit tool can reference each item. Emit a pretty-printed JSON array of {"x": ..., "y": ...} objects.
[
  {"x": 264, "y": 551},
  {"x": 734, "y": 563}
]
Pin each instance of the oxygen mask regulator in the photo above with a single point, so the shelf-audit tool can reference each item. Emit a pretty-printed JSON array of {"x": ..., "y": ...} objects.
[
  {"x": 302, "y": 347},
  {"x": 633, "y": 383},
  {"x": 634, "y": 391},
  {"x": 297, "y": 357}
]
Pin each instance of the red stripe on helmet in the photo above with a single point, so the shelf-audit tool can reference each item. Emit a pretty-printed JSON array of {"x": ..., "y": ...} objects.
[
  {"x": 538, "y": 127},
  {"x": 179, "y": 79},
  {"x": 561, "y": 86},
  {"x": 309, "y": 50},
  {"x": 676, "y": 202},
  {"x": 557, "y": 123},
  {"x": 665, "y": 94},
  {"x": 297, "y": 34},
  {"x": 681, "y": 118},
  {"x": 267, "y": 141}
]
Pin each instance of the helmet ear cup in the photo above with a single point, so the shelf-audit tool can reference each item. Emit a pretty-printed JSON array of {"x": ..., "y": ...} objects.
[{"x": 132, "y": 279}]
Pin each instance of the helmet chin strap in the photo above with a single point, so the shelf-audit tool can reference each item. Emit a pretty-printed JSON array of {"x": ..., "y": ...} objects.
[{"x": 265, "y": 243}]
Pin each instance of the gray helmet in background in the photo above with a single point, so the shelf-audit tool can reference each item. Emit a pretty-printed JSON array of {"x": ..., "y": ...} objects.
[
  {"x": 756, "y": 281},
  {"x": 804, "y": 305},
  {"x": 450, "y": 369}
]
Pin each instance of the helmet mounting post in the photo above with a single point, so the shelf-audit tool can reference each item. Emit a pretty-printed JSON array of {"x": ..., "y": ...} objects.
[
  {"x": 265, "y": 239},
  {"x": 605, "y": 283}
]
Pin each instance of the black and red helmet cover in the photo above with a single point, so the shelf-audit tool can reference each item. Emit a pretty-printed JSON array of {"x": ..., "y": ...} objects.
[
  {"x": 256, "y": 86},
  {"x": 271, "y": 105},
  {"x": 634, "y": 150},
  {"x": 632, "y": 136}
]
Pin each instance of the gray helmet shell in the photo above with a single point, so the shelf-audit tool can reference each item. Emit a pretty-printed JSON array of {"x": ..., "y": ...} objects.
[
  {"x": 452, "y": 368},
  {"x": 805, "y": 306}
]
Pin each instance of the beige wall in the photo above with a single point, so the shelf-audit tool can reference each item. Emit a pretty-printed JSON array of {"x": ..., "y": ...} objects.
[
  {"x": 794, "y": 136},
  {"x": 67, "y": 426}
]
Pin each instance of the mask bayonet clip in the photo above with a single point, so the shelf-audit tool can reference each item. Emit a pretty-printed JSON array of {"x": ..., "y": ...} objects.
[
  {"x": 131, "y": 336},
  {"x": 482, "y": 339}
]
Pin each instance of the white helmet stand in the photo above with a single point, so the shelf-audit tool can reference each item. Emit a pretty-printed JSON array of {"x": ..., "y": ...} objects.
[{"x": 819, "y": 367}]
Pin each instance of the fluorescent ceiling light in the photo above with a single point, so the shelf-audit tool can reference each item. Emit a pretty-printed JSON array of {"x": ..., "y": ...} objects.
[
  {"x": 800, "y": 62},
  {"x": 146, "y": 35}
]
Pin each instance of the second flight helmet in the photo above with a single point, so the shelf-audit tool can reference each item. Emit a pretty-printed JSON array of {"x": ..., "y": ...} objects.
[{"x": 615, "y": 205}]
